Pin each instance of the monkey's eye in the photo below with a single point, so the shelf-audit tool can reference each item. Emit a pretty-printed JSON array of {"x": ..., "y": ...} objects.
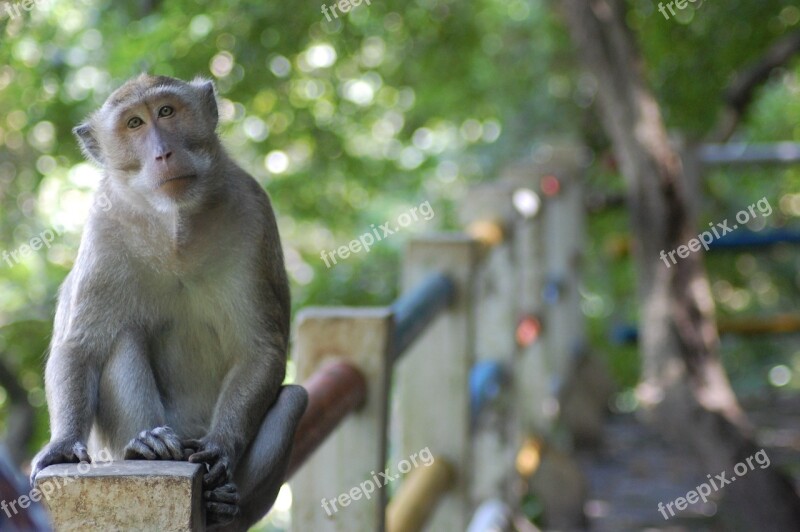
[
  {"x": 166, "y": 111},
  {"x": 135, "y": 122}
]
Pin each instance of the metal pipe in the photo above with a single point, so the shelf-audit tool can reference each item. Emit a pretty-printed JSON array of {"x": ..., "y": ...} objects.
[
  {"x": 746, "y": 153},
  {"x": 418, "y": 496},
  {"x": 334, "y": 391},
  {"x": 417, "y": 309}
]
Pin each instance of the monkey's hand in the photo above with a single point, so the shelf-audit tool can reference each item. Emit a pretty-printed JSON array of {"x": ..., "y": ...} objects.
[
  {"x": 218, "y": 461},
  {"x": 59, "y": 452},
  {"x": 220, "y": 497},
  {"x": 161, "y": 443}
]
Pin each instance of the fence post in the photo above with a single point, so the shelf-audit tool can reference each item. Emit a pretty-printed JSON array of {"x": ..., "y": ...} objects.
[
  {"x": 564, "y": 223},
  {"x": 532, "y": 392},
  {"x": 433, "y": 377},
  {"x": 549, "y": 247},
  {"x": 339, "y": 470},
  {"x": 488, "y": 214},
  {"x": 550, "y": 251},
  {"x": 123, "y": 495}
]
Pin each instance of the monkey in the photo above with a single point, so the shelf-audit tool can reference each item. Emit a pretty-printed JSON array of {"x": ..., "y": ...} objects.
[{"x": 171, "y": 331}]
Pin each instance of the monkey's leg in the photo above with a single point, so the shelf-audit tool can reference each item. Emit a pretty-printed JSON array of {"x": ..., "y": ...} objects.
[
  {"x": 260, "y": 473},
  {"x": 130, "y": 405}
]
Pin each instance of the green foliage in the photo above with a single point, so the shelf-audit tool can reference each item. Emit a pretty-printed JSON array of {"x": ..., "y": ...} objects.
[
  {"x": 693, "y": 56},
  {"x": 24, "y": 343}
]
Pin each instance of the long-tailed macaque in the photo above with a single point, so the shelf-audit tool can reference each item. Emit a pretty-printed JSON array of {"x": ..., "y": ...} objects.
[{"x": 171, "y": 331}]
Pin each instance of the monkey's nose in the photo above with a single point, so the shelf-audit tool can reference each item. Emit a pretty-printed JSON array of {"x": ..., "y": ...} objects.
[{"x": 164, "y": 156}]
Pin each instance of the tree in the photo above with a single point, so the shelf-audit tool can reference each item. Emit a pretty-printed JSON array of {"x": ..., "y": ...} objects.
[{"x": 684, "y": 388}]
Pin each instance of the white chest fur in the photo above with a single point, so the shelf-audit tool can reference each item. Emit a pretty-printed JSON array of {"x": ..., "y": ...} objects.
[{"x": 206, "y": 322}]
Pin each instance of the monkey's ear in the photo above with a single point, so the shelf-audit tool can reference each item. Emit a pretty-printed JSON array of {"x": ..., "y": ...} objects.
[
  {"x": 88, "y": 142},
  {"x": 209, "y": 97}
]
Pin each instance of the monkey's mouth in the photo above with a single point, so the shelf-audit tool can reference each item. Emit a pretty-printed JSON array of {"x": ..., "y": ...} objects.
[
  {"x": 179, "y": 178},
  {"x": 177, "y": 186}
]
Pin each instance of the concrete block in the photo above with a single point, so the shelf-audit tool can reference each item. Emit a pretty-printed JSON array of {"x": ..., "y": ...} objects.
[{"x": 126, "y": 495}]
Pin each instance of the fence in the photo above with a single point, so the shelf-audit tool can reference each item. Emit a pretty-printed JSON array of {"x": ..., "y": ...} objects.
[{"x": 487, "y": 313}]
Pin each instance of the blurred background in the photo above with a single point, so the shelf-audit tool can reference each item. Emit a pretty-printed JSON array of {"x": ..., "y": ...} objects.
[{"x": 353, "y": 121}]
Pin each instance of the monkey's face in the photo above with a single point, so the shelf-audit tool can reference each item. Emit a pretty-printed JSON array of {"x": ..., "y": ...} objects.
[{"x": 157, "y": 137}]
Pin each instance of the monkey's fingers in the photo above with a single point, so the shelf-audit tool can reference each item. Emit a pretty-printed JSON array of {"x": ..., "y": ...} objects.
[
  {"x": 227, "y": 494},
  {"x": 42, "y": 463},
  {"x": 216, "y": 475},
  {"x": 161, "y": 443},
  {"x": 81, "y": 453},
  {"x": 207, "y": 456},
  {"x": 167, "y": 437},
  {"x": 59, "y": 454},
  {"x": 154, "y": 442},
  {"x": 46, "y": 461},
  {"x": 218, "y": 513},
  {"x": 222, "y": 504},
  {"x": 137, "y": 450},
  {"x": 191, "y": 447},
  {"x": 192, "y": 443}
]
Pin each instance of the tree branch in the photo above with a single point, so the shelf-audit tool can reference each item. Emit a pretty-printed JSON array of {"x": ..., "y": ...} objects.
[{"x": 741, "y": 92}]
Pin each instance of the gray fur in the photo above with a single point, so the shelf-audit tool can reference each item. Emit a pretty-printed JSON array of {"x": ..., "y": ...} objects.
[{"x": 174, "y": 321}]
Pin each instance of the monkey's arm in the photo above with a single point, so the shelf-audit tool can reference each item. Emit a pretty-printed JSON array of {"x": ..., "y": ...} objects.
[
  {"x": 72, "y": 378},
  {"x": 248, "y": 392},
  {"x": 72, "y": 381}
]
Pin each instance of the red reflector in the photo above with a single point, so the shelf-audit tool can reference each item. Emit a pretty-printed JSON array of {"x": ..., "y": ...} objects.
[
  {"x": 528, "y": 331},
  {"x": 550, "y": 185}
]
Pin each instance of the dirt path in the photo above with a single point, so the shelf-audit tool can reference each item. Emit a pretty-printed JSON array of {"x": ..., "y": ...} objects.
[{"x": 635, "y": 470}]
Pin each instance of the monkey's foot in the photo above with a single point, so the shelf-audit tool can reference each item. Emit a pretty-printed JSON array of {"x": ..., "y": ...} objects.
[
  {"x": 222, "y": 504},
  {"x": 161, "y": 443}
]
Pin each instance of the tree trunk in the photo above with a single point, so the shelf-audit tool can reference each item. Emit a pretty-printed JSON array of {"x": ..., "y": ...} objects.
[{"x": 684, "y": 390}]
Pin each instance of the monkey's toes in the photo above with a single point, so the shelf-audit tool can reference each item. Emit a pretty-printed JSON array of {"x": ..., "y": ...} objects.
[
  {"x": 161, "y": 443},
  {"x": 222, "y": 504}
]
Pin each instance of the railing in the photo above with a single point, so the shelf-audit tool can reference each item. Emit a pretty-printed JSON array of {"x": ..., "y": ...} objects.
[
  {"x": 334, "y": 391},
  {"x": 738, "y": 153}
]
